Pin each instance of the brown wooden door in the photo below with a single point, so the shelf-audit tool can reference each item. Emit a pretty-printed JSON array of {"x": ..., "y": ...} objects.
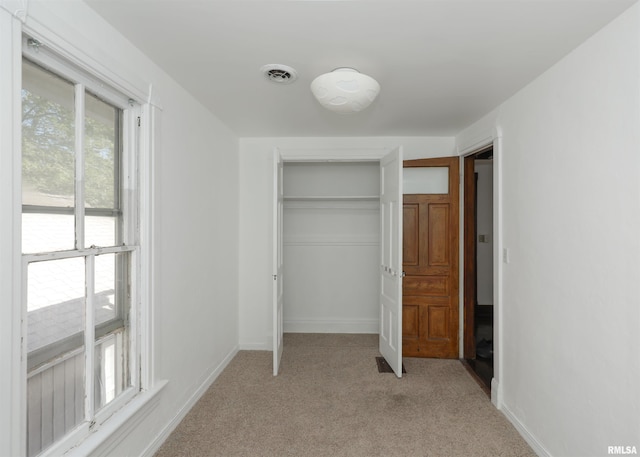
[{"x": 430, "y": 262}]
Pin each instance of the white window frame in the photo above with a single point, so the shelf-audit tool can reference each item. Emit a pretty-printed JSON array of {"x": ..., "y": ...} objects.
[
  {"x": 70, "y": 46},
  {"x": 36, "y": 52}
]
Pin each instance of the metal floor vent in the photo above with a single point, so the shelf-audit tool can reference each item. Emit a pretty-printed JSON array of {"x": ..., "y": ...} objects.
[{"x": 384, "y": 367}]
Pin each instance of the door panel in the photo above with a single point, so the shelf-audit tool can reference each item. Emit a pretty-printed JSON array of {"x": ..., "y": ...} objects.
[
  {"x": 438, "y": 322},
  {"x": 430, "y": 287},
  {"x": 410, "y": 246},
  {"x": 438, "y": 228},
  {"x": 278, "y": 280},
  {"x": 437, "y": 286},
  {"x": 391, "y": 318},
  {"x": 410, "y": 318}
]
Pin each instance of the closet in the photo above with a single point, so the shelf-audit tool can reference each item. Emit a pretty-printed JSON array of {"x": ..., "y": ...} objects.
[{"x": 331, "y": 238}]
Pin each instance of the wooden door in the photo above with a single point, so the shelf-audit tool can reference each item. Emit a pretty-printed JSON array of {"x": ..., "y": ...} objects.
[
  {"x": 430, "y": 262},
  {"x": 390, "y": 340}
]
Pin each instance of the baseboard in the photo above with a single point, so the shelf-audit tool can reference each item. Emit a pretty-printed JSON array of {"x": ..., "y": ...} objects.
[
  {"x": 496, "y": 393},
  {"x": 173, "y": 423},
  {"x": 537, "y": 447},
  {"x": 255, "y": 347},
  {"x": 332, "y": 326},
  {"x": 265, "y": 345}
]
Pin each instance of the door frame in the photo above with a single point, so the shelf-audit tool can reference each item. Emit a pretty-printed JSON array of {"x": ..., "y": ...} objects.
[
  {"x": 348, "y": 155},
  {"x": 470, "y": 209},
  {"x": 492, "y": 139}
]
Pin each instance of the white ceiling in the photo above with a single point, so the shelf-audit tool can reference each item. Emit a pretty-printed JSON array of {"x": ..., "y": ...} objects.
[{"x": 441, "y": 64}]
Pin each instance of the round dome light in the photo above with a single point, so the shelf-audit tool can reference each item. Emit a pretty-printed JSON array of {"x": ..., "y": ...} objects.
[{"x": 345, "y": 90}]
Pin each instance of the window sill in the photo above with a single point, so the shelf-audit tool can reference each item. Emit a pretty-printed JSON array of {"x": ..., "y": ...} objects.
[{"x": 118, "y": 426}]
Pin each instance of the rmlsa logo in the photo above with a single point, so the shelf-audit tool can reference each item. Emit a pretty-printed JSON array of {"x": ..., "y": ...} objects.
[{"x": 622, "y": 450}]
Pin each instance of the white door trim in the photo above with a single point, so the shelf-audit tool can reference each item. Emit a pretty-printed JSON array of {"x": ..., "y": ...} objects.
[
  {"x": 488, "y": 138},
  {"x": 316, "y": 155}
]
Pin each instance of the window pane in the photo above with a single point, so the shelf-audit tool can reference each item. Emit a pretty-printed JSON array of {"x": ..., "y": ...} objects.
[
  {"x": 44, "y": 232},
  {"x": 48, "y": 139},
  {"x": 425, "y": 180},
  {"x": 112, "y": 367},
  {"x": 101, "y": 132},
  {"x": 105, "y": 288},
  {"x": 55, "y": 401},
  {"x": 112, "y": 327},
  {"x": 56, "y": 358},
  {"x": 55, "y": 302},
  {"x": 102, "y": 140},
  {"x": 100, "y": 230}
]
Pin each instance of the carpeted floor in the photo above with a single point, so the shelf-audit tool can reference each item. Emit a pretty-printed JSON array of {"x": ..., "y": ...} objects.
[{"x": 330, "y": 400}]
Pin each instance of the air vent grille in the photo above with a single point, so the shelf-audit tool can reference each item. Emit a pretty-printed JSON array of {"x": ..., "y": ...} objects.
[{"x": 279, "y": 74}]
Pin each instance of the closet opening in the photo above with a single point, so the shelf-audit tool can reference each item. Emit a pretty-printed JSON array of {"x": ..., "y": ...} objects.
[
  {"x": 342, "y": 229},
  {"x": 331, "y": 247}
]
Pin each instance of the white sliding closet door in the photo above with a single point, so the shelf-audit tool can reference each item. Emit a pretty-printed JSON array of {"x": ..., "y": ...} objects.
[{"x": 391, "y": 259}]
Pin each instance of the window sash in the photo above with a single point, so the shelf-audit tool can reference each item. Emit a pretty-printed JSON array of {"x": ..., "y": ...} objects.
[
  {"x": 87, "y": 340},
  {"x": 45, "y": 355},
  {"x": 80, "y": 210},
  {"x": 36, "y": 209}
]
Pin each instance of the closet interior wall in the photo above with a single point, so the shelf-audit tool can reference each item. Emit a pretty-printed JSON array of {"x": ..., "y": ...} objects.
[
  {"x": 484, "y": 231},
  {"x": 331, "y": 247}
]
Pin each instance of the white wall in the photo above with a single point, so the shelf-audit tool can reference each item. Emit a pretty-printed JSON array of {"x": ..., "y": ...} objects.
[
  {"x": 570, "y": 206},
  {"x": 256, "y": 181},
  {"x": 197, "y": 217},
  {"x": 331, "y": 247},
  {"x": 484, "y": 250},
  {"x": 195, "y": 223}
]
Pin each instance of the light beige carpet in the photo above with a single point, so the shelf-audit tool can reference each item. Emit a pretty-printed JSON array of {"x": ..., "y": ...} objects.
[{"x": 330, "y": 400}]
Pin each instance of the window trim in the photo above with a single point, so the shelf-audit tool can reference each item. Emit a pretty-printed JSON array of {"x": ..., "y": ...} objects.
[
  {"x": 11, "y": 419},
  {"x": 49, "y": 25},
  {"x": 44, "y": 54}
]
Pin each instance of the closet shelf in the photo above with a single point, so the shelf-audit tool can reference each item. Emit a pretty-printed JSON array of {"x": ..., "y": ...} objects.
[{"x": 337, "y": 198}]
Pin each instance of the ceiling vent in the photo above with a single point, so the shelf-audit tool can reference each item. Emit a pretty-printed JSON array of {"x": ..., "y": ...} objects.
[{"x": 279, "y": 74}]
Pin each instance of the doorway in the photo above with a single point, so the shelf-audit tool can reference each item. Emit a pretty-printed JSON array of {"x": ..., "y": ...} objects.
[{"x": 478, "y": 264}]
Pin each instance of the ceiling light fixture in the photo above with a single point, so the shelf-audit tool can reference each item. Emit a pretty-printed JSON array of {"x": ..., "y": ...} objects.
[{"x": 345, "y": 90}]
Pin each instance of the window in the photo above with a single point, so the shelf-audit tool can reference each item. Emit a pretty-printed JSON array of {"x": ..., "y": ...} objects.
[{"x": 80, "y": 250}]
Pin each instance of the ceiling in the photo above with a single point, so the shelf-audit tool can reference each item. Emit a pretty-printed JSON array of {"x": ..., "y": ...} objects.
[{"x": 441, "y": 64}]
